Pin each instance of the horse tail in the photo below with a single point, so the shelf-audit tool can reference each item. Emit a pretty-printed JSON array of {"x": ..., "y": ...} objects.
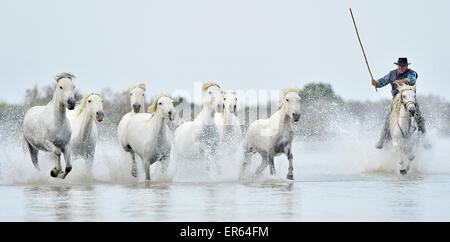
[{"x": 25, "y": 144}]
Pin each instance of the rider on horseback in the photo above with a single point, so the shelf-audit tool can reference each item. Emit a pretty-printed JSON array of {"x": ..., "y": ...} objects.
[{"x": 402, "y": 75}]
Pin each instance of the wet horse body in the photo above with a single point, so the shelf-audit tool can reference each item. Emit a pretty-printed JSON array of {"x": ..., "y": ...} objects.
[
  {"x": 402, "y": 126},
  {"x": 83, "y": 121},
  {"x": 200, "y": 138},
  {"x": 273, "y": 136},
  {"x": 148, "y": 135},
  {"x": 47, "y": 128}
]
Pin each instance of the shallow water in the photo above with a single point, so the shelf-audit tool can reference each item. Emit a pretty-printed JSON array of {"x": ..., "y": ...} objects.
[{"x": 334, "y": 181}]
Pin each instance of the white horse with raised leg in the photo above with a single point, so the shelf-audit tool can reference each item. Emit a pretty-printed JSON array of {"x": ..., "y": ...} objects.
[
  {"x": 137, "y": 103},
  {"x": 47, "y": 128},
  {"x": 227, "y": 121},
  {"x": 273, "y": 136},
  {"x": 402, "y": 126},
  {"x": 148, "y": 135},
  {"x": 201, "y": 136},
  {"x": 83, "y": 120}
]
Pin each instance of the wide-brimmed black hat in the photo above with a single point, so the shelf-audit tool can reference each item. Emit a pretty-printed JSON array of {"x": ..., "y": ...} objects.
[{"x": 402, "y": 61}]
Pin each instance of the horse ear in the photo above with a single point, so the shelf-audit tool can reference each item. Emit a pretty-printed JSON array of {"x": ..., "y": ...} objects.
[{"x": 177, "y": 102}]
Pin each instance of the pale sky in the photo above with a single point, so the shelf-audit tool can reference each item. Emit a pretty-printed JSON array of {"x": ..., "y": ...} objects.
[{"x": 241, "y": 44}]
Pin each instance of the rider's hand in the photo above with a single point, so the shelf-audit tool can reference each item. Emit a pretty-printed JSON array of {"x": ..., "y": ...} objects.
[
  {"x": 398, "y": 82},
  {"x": 374, "y": 83}
]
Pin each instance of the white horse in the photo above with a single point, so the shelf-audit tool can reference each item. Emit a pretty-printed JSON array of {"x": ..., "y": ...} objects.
[
  {"x": 83, "y": 121},
  {"x": 402, "y": 125},
  {"x": 201, "y": 136},
  {"x": 273, "y": 136},
  {"x": 148, "y": 136},
  {"x": 137, "y": 102},
  {"x": 227, "y": 121},
  {"x": 47, "y": 128}
]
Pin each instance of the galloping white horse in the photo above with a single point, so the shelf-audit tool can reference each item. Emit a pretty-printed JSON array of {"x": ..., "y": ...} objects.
[
  {"x": 147, "y": 134},
  {"x": 137, "y": 102},
  {"x": 227, "y": 121},
  {"x": 273, "y": 136},
  {"x": 402, "y": 125},
  {"x": 84, "y": 128},
  {"x": 201, "y": 136},
  {"x": 47, "y": 128}
]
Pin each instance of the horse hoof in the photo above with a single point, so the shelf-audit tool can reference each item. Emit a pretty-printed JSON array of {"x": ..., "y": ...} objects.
[
  {"x": 134, "y": 174},
  {"x": 290, "y": 177},
  {"x": 54, "y": 173},
  {"x": 403, "y": 172}
]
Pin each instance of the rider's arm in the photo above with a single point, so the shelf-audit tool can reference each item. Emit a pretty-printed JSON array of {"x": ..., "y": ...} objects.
[
  {"x": 411, "y": 79},
  {"x": 383, "y": 81}
]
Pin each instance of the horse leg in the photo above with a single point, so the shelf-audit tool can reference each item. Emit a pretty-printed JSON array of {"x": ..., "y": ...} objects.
[
  {"x": 272, "y": 165},
  {"x": 34, "y": 155},
  {"x": 263, "y": 165},
  {"x": 66, "y": 152},
  {"x": 401, "y": 165},
  {"x": 164, "y": 160},
  {"x": 290, "y": 157},
  {"x": 133, "y": 163},
  {"x": 246, "y": 160},
  {"x": 57, "y": 151},
  {"x": 146, "y": 165}
]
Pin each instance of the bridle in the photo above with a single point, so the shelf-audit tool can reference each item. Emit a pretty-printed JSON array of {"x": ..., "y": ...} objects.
[{"x": 405, "y": 105}]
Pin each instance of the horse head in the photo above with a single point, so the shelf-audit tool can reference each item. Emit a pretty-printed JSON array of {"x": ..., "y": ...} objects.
[
  {"x": 93, "y": 104},
  {"x": 408, "y": 98},
  {"x": 291, "y": 102},
  {"x": 213, "y": 97},
  {"x": 137, "y": 97},
  {"x": 64, "y": 90},
  {"x": 163, "y": 106},
  {"x": 230, "y": 100}
]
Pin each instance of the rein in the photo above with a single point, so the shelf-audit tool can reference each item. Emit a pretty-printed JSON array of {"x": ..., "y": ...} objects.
[{"x": 409, "y": 125}]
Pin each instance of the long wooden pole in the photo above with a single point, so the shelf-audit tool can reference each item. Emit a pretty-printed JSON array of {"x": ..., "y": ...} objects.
[{"x": 362, "y": 48}]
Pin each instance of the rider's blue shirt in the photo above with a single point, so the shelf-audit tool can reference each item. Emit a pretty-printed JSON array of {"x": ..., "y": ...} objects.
[{"x": 409, "y": 75}]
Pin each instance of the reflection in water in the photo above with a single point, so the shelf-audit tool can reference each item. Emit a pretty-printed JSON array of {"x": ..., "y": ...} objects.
[
  {"x": 403, "y": 201},
  {"x": 375, "y": 198},
  {"x": 60, "y": 203},
  {"x": 146, "y": 201}
]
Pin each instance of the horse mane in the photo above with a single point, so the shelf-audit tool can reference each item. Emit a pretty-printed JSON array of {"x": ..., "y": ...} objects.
[
  {"x": 154, "y": 106},
  {"x": 397, "y": 105},
  {"x": 80, "y": 108},
  {"x": 141, "y": 86},
  {"x": 285, "y": 92},
  {"x": 208, "y": 85},
  {"x": 64, "y": 75}
]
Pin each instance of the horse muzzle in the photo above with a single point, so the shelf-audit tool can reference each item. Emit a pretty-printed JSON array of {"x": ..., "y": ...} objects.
[
  {"x": 136, "y": 107},
  {"x": 71, "y": 104},
  {"x": 412, "y": 112},
  {"x": 99, "y": 115},
  {"x": 220, "y": 108},
  {"x": 296, "y": 117},
  {"x": 171, "y": 115}
]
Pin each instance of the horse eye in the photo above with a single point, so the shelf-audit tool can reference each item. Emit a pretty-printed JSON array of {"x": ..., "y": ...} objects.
[
  {"x": 210, "y": 92},
  {"x": 287, "y": 100},
  {"x": 224, "y": 98},
  {"x": 60, "y": 87},
  {"x": 159, "y": 103},
  {"x": 131, "y": 94},
  {"x": 89, "y": 101},
  {"x": 235, "y": 99}
]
